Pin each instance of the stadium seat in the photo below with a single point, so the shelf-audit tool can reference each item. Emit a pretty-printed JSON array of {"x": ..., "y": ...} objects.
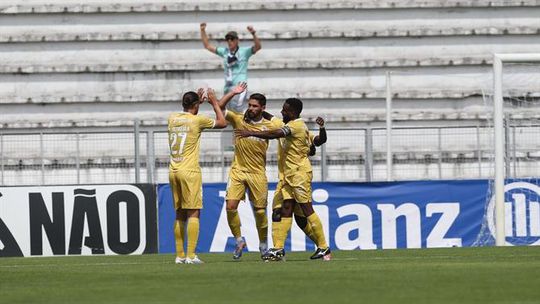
[{"x": 105, "y": 64}]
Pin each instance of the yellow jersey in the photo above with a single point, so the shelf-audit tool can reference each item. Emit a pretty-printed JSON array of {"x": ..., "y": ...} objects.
[
  {"x": 280, "y": 151},
  {"x": 184, "y": 140},
  {"x": 296, "y": 147},
  {"x": 249, "y": 152}
]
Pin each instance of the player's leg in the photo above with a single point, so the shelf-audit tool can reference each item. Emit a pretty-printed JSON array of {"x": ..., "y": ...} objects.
[
  {"x": 233, "y": 219},
  {"x": 290, "y": 201},
  {"x": 313, "y": 220},
  {"x": 179, "y": 234},
  {"x": 303, "y": 223},
  {"x": 192, "y": 203},
  {"x": 180, "y": 218},
  {"x": 277, "y": 202},
  {"x": 257, "y": 185},
  {"x": 193, "y": 228},
  {"x": 276, "y": 222},
  {"x": 261, "y": 221},
  {"x": 286, "y": 221},
  {"x": 302, "y": 192},
  {"x": 280, "y": 235},
  {"x": 235, "y": 193},
  {"x": 285, "y": 216}
]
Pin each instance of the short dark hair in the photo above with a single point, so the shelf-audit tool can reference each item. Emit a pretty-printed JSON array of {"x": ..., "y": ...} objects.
[
  {"x": 295, "y": 104},
  {"x": 259, "y": 97},
  {"x": 231, "y": 35},
  {"x": 190, "y": 99}
]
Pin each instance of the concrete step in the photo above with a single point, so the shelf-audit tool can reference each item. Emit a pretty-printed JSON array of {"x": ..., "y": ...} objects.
[
  {"x": 123, "y": 6},
  {"x": 294, "y": 24},
  {"x": 275, "y": 55},
  {"x": 418, "y": 83}
]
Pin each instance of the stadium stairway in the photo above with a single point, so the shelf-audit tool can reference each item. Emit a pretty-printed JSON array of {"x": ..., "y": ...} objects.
[{"x": 107, "y": 63}]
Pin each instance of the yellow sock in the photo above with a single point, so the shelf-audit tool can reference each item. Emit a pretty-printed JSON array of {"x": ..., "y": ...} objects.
[
  {"x": 275, "y": 232},
  {"x": 234, "y": 223},
  {"x": 315, "y": 222},
  {"x": 179, "y": 230},
  {"x": 284, "y": 228},
  {"x": 192, "y": 236},
  {"x": 261, "y": 221},
  {"x": 308, "y": 230}
]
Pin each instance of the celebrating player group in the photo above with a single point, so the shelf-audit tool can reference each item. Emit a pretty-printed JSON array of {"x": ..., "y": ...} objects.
[{"x": 253, "y": 128}]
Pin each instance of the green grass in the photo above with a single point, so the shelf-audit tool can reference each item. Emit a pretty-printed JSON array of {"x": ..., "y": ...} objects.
[{"x": 454, "y": 275}]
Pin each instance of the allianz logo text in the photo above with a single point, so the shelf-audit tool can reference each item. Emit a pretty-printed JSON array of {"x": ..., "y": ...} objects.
[{"x": 358, "y": 225}]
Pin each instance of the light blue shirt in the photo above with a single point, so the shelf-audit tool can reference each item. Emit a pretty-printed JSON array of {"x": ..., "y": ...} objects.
[{"x": 235, "y": 72}]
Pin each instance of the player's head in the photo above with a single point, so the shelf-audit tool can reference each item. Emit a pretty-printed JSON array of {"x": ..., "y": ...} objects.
[
  {"x": 256, "y": 105},
  {"x": 190, "y": 100},
  {"x": 232, "y": 40},
  {"x": 291, "y": 109}
]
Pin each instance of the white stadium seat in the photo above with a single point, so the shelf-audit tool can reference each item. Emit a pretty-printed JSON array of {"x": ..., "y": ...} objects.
[{"x": 104, "y": 64}]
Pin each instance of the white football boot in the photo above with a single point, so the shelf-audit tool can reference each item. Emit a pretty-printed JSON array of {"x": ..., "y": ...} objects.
[{"x": 195, "y": 260}]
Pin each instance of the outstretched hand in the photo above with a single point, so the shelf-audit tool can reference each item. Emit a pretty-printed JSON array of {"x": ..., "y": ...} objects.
[
  {"x": 320, "y": 121},
  {"x": 203, "y": 26},
  {"x": 251, "y": 30},
  {"x": 211, "y": 96},
  {"x": 241, "y": 87},
  {"x": 200, "y": 93}
]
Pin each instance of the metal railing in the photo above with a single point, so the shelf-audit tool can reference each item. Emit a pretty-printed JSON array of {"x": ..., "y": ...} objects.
[{"x": 138, "y": 154}]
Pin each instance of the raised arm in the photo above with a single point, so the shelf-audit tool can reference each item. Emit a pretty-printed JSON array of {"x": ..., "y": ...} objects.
[
  {"x": 268, "y": 134},
  {"x": 256, "y": 42},
  {"x": 205, "y": 41},
  {"x": 220, "y": 119},
  {"x": 321, "y": 138},
  {"x": 241, "y": 87}
]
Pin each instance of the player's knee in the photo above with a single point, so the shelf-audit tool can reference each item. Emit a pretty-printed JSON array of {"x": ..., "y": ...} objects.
[
  {"x": 287, "y": 208},
  {"x": 301, "y": 221},
  {"x": 195, "y": 213},
  {"x": 231, "y": 206},
  {"x": 307, "y": 209},
  {"x": 181, "y": 215},
  {"x": 276, "y": 215}
]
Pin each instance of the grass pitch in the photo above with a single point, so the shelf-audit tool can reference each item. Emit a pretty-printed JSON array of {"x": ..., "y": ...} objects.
[{"x": 453, "y": 275}]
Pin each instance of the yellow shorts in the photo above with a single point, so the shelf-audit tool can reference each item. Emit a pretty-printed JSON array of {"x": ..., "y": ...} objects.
[
  {"x": 255, "y": 184},
  {"x": 186, "y": 187},
  {"x": 297, "y": 186},
  {"x": 278, "y": 199}
]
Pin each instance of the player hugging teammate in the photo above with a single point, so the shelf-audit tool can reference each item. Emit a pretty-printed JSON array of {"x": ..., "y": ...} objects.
[{"x": 293, "y": 192}]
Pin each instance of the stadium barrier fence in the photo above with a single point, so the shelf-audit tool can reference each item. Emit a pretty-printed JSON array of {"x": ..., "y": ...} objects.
[{"x": 135, "y": 155}]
